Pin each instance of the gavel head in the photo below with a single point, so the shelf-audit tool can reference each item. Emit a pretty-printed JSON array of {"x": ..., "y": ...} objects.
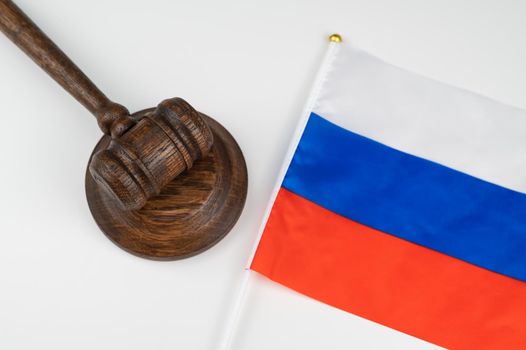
[{"x": 163, "y": 144}]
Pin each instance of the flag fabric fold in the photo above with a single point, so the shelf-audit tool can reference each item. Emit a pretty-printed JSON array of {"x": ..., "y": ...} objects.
[{"x": 404, "y": 203}]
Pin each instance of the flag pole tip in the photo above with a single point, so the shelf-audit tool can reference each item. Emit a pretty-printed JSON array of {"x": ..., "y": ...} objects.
[{"x": 335, "y": 38}]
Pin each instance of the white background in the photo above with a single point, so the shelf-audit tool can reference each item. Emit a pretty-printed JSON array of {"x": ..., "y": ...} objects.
[{"x": 250, "y": 65}]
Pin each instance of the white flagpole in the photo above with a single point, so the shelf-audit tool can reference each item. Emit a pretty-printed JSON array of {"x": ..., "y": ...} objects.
[{"x": 242, "y": 290}]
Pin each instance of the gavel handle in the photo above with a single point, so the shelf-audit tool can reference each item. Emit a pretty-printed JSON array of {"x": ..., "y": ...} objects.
[{"x": 113, "y": 118}]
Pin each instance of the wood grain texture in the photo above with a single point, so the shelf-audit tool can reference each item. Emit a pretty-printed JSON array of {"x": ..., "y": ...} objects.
[
  {"x": 143, "y": 155},
  {"x": 112, "y": 117},
  {"x": 192, "y": 212},
  {"x": 164, "y": 142},
  {"x": 130, "y": 179}
]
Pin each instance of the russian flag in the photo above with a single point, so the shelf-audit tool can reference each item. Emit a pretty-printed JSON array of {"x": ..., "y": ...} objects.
[{"x": 404, "y": 202}]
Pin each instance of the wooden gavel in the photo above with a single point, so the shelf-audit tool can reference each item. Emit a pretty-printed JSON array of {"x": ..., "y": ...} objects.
[
  {"x": 143, "y": 157},
  {"x": 140, "y": 158}
]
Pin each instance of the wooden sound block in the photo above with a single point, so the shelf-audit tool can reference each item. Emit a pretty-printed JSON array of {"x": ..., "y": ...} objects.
[{"x": 191, "y": 214}]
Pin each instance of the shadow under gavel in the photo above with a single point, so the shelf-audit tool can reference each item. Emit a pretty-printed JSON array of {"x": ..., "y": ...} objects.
[{"x": 138, "y": 186}]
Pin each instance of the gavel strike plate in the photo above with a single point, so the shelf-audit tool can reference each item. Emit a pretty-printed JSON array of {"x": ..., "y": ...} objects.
[{"x": 191, "y": 214}]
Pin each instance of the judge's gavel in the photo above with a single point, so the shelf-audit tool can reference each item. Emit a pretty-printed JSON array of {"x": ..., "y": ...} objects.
[{"x": 138, "y": 186}]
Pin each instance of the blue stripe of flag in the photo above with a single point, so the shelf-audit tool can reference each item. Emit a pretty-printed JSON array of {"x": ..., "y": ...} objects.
[{"x": 410, "y": 197}]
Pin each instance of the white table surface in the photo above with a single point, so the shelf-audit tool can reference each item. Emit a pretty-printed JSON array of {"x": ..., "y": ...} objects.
[{"x": 249, "y": 64}]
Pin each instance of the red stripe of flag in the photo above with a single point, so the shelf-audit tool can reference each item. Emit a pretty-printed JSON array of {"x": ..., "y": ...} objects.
[{"x": 385, "y": 279}]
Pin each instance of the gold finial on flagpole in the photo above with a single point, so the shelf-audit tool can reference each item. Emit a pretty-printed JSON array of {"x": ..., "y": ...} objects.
[{"x": 335, "y": 38}]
